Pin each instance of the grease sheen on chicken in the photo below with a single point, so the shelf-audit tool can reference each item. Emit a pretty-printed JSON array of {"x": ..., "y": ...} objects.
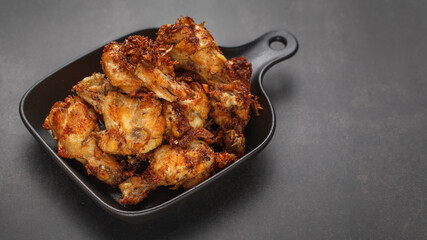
[
  {"x": 137, "y": 63},
  {"x": 175, "y": 103},
  {"x": 133, "y": 125},
  {"x": 194, "y": 49},
  {"x": 184, "y": 166},
  {"x": 73, "y": 123}
]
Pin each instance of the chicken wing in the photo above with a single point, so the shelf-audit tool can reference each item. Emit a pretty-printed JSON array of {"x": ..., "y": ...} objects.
[
  {"x": 93, "y": 89},
  {"x": 190, "y": 112},
  {"x": 73, "y": 125},
  {"x": 137, "y": 63},
  {"x": 175, "y": 166},
  {"x": 194, "y": 49},
  {"x": 231, "y": 111},
  {"x": 133, "y": 125}
]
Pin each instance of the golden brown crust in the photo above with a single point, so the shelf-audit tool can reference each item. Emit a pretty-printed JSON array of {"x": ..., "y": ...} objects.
[
  {"x": 227, "y": 82},
  {"x": 133, "y": 125},
  {"x": 193, "y": 48},
  {"x": 238, "y": 69},
  {"x": 175, "y": 166},
  {"x": 137, "y": 63},
  {"x": 137, "y": 50},
  {"x": 93, "y": 89},
  {"x": 190, "y": 112},
  {"x": 119, "y": 77},
  {"x": 186, "y": 32},
  {"x": 176, "y": 121},
  {"x": 136, "y": 188},
  {"x": 73, "y": 125}
]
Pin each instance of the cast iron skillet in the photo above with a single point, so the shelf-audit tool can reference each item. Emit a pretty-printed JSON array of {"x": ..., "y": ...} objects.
[{"x": 37, "y": 101}]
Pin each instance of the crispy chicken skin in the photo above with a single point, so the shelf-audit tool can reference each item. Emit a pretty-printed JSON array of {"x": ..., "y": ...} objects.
[
  {"x": 73, "y": 124},
  {"x": 190, "y": 112},
  {"x": 137, "y": 63},
  {"x": 133, "y": 125},
  {"x": 231, "y": 111},
  {"x": 175, "y": 166},
  {"x": 93, "y": 89},
  {"x": 228, "y": 81},
  {"x": 193, "y": 48}
]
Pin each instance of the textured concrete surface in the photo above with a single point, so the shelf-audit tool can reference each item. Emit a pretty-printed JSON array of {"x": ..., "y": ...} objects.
[{"x": 349, "y": 156}]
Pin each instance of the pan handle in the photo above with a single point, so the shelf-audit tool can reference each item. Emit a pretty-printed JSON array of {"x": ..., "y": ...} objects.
[{"x": 264, "y": 55}]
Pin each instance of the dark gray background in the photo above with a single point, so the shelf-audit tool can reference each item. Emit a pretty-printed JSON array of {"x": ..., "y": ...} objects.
[{"x": 348, "y": 159}]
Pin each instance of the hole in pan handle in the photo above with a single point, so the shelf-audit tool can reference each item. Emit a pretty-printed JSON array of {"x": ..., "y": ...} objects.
[{"x": 271, "y": 48}]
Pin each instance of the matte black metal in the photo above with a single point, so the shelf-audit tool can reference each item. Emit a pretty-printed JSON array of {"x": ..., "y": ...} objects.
[{"x": 37, "y": 101}]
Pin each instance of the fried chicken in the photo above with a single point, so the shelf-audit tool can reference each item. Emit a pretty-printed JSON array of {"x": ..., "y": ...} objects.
[
  {"x": 93, "y": 89},
  {"x": 175, "y": 166},
  {"x": 133, "y": 125},
  {"x": 190, "y": 112},
  {"x": 157, "y": 110},
  {"x": 73, "y": 125},
  {"x": 137, "y": 63},
  {"x": 194, "y": 49},
  {"x": 230, "y": 110}
]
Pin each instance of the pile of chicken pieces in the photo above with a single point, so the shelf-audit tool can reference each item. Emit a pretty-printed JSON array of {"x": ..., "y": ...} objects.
[{"x": 176, "y": 103}]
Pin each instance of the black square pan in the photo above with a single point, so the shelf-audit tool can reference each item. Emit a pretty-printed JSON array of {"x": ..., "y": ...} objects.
[{"x": 38, "y": 100}]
